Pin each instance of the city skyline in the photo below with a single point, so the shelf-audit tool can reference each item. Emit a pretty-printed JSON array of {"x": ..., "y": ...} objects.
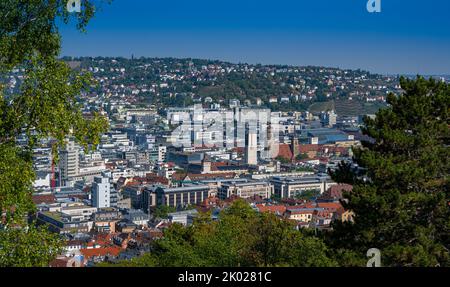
[{"x": 230, "y": 134}]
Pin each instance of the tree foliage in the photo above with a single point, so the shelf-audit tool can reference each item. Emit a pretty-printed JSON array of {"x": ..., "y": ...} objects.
[
  {"x": 402, "y": 206},
  {"x": 241, "y": 237},
  {"x": 163, "y": 211},
  {"x": 45, "y": 107},
  {"x": 28, "y": 247}
]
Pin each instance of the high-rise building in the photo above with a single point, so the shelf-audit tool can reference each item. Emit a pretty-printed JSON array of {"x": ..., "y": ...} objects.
[
  {"x": 101, "y": 192},
  {"x": 69, "y": 164},
  {"x": 251, "y": 148}
]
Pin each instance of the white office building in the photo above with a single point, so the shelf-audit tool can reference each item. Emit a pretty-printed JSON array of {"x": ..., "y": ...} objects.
[
  {"x": 69, "y": 164},
  {"x": 251, "y": 152},
  {"x": 101, "y": 192}
]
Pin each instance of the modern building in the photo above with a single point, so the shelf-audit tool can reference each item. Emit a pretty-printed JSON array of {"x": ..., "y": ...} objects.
[
  {"x": 300, "y": 213},
  {"x": 101, "y": 192},
  {"x": 245, "y": 189},
  {"x": 182, "y": 196},
  {"x": 105, "y": 220},
  {"x": 64, "y": 224},
  {"x": 185, "y": 217},
  {"x": 69, "y": 163},
  {"x": 251, "y": 149},
  {"x": 137, "y": 217},
  {"x": 68, "y": 220},
  {"x": 43, "y": 180},
  {"x": 287, "y": 187},
  {"x": 134, "y": 193}
]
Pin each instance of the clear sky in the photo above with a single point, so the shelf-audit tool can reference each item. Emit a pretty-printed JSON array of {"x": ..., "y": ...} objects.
[{"x": 407, "y": 37}]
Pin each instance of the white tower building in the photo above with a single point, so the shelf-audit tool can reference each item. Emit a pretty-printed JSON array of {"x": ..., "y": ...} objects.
[
  {"x": 101, "y": 192},
  {"x": 69, "y": 164},
  {"x": 251, "y": 150}
]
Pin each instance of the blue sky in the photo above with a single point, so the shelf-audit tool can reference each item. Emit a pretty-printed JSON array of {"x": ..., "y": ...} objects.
[{"x": 407, "y": 37}]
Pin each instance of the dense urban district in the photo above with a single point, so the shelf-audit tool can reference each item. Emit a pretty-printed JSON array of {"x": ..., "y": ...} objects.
[{"x": 139, "y": 185}]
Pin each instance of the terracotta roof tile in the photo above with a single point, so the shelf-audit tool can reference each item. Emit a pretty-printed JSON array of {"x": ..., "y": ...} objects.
[
  {"x": 284, "y": 151},
  {"x": 47, "y": 198},
  {"x": 279, "y": 209},
  {"x": 103, "y": 251}
]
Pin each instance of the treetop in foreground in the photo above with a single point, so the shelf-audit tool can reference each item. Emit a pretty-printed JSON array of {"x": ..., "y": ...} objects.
[{"x": 401, "y": 198}]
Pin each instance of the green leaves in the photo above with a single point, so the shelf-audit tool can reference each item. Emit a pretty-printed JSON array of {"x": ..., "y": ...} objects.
[
  {"x": 162, "y": 211},
  {"x": 46, "y": 107},
  {"x": 242, "y": 237},
  {"x": 28, "y": 247},
  {"x": 403, "y": 209},
  {"x": 16, "y": 174}
]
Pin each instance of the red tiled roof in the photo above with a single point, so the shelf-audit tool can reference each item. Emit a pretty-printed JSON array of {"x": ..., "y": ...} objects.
[
  {"x": 47, "y": 198},
  {"x": 103, "y": 239},
  {"x": 301, "y": 211},
  {"x": 179, "y": 176},
  {"x": 59, "y": 262},
  {"x": 341, "y": 187},
  {"x": 110, "y": 165},
  {"x": 103, "y": 251},
  {"x": 335, "y": 149},
  {"x": 238, "y": 149},
  {"x": 284, "y": 151},
  {"x": 304, "y": 148},
  {"x": 134, "y": 183},
  {"x": 340, "y": 211},
  {"x": 329, "y": 206},
  {"x": 305, "y": 205},
  {"x": 210, "y": 201},
  {"x": 323, "y": 213},
  {"x": 335, "y": 191},
  {"x": 280, "y": 209}
]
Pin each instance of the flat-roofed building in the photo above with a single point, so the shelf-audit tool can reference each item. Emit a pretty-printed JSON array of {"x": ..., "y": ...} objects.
[
  {"x": 105, "y": 219},
  {"x": 287, "y": 187},
  {"x": 69, "y": 164},
  {"x": 245, "y": 189},
  {"x": 215, "y": 183},
  {"x": 185, "y": 217},
  {"x": 134, "y": 192},
  {"x": 300, "y": 213},
  {"x": 137, "y": 216},
  {"x": 82, "y": 212},
  {"x": 182, "y": 196},
  {"x": 70, "y": 220}
]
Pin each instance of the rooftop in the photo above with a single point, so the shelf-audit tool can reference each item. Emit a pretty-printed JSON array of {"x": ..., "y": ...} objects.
[{"x": 184, "y": 189}]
